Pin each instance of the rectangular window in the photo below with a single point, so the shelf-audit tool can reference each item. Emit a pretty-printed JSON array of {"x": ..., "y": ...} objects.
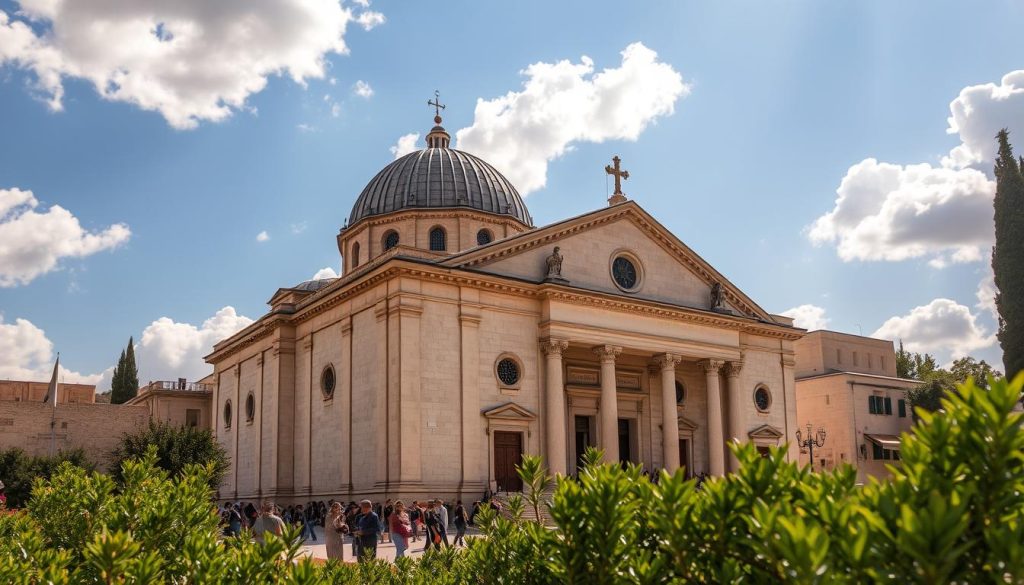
[
  {"x": 888, "y": 405},
  {"x": 886, "y": 454},
  {"x": 876, "y": 451},
  {"x": 882, "y": 362},
  {"x": 839, "y": 356},
  {"x": 902, "y": 407},
  {"x": 192, "y": 417},
  {"x": 895, "y": 454},
  {"x": 869, "y": 362},
  {"x": 856, "y": 362},
  {"x": 871, "y": 405}
]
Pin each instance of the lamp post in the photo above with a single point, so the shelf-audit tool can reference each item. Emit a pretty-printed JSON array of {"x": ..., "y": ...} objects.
[{"x": 812, "y": 441}]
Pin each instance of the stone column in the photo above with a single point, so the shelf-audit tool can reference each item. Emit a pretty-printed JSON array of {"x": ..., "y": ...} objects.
[
  {"x": 554, "y": 406},
  {"x": 716, "y": 440},
  {"x": 609, "y": 403},
  {"x": 669, "y": 415},
  {"x": 736, "y": 433}
]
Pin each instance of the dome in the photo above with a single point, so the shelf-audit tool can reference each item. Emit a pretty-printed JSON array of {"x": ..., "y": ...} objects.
[
  {"x": 439, "y": 177},
  {"x": 313, "y": 285}
]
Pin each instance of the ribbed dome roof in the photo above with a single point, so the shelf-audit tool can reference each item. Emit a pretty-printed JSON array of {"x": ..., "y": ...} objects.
[
  {"x": 439, "y": 177},
  {"x": 313, "y": 285}
]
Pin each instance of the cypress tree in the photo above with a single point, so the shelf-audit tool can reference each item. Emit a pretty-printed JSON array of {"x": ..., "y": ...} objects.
[
  {"x": 117, "y": 382},
  {"x": 1008, "y": 255},
  {"x": 131, "y": 372}
]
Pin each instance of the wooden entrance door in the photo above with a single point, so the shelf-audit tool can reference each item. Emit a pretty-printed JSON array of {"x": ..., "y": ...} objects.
[
  {"x": 508, "y": 453},
  {"x": 684, "y": 456}
]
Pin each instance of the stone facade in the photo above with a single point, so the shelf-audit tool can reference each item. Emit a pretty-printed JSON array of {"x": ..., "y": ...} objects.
[
  {"x": 394, "y": 380},
  {"x": 179, "y": 402},
  {"x": 863, "y": 413},
  {"x": 23, "y": 391}
]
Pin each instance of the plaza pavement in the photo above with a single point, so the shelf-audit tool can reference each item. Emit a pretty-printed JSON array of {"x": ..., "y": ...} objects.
[{"x": 385, "y": 550}]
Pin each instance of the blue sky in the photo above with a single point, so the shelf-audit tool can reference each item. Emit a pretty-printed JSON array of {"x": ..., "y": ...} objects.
[{"x": 782, "y": 100}]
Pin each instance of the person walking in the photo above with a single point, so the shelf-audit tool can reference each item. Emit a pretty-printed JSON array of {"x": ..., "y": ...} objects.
[
  {"x": 461, "y": 520},
  {"x": 234, "y": 520},
  {"x": 351, "y": 516},
  {"x": 400, "y": 528},
  {"x": 267, "y": 522},
  {"x": 386, "y": 518},
  {"x": 367, "y": 531},
  {"x": 442, "y": 513},
  {"x": 335, "y": 530},
  {"x": 414, "y": 520}
]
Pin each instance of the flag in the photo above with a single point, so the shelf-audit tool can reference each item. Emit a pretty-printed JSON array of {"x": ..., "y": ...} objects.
[{"x": 51, "y": 391}]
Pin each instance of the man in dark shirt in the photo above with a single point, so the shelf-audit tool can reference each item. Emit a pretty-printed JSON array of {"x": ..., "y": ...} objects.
[{"x": 367, "y": 529}]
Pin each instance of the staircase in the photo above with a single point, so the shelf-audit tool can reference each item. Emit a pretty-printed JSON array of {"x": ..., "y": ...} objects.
[{"x": 529, "y": 514}]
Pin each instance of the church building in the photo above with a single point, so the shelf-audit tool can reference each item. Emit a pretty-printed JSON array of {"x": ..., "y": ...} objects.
[{"x": 460, "y": 336}]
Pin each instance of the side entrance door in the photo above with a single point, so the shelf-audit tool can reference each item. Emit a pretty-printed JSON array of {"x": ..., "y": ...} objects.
[{"x": 508, "y": 453}]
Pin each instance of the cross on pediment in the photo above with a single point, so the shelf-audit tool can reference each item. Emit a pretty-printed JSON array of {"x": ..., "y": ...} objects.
[{"x": 620, "y": 175}]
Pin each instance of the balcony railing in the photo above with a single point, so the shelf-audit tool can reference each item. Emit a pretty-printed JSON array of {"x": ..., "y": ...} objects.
[{"x": 181, "y": 385}]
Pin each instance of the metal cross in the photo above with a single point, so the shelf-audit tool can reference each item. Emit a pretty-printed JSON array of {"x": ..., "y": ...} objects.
[
  {"x": 438, "y": 106},
  {"x": 619, "y": 174}
]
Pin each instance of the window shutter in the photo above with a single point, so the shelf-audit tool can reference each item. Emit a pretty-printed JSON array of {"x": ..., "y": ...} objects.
[
  {"x": 902, "y": 406},
  {"x": 871, "y": 405},
  {"x": 888, "y": 405}
]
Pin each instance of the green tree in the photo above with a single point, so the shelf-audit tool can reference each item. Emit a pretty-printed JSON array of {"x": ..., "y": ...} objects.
[
  {"x": 905, "y": 364},
  {"x": 177, "y": 447},
  {"x": 18, "y": 470},
  {"x": 1008, "y": 255},
  {"x": 967, "y": 367},
  {"x": 124, "y": 383}
]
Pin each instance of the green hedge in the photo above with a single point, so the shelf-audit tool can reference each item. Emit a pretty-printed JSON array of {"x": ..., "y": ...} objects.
[{"x": 951, "y": 513}]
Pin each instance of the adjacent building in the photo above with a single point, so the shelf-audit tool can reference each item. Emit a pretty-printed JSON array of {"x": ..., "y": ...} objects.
[
  {"x": 847, "y": 385},
  {"x": 178, "y": 402},
  {"x": 27, "y": 391}
]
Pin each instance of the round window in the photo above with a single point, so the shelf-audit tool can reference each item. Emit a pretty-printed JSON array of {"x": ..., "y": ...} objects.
[
  {"x": 680, "y": 393},
  {"x": 625, "y": 273},
  {"x": 762, "y": 398},
  {"x": 227, "y": 414},
  {"x": 250, "y": 407},
  {"x": 483, "y": 237},
  {"x": 390, "y": 240},
  {"x": 327, "y": 382},
  {"x": 508, "y": 372}
]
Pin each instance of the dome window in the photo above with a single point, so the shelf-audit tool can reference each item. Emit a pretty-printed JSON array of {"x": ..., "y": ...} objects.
[
  {"x": 483, "y": 237},
  {"x": 355, "y": 254},
  {"x": 390, "y": 239},
  {"x": 438, "y": 240}
]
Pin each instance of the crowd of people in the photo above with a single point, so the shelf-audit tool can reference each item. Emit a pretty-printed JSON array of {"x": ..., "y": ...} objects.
[{"x": 363, "y": 524}]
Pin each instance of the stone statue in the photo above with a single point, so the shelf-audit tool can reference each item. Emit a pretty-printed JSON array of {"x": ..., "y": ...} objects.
[
  {"x": 716, "y": 296},
  {"x": 555, "y": 265}
]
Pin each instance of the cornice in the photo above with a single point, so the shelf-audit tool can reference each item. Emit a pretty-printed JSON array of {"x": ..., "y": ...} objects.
[{"x": 416, "y": 214}]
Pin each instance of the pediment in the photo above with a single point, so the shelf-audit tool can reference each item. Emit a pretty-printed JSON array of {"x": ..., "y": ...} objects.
[
  {"x": 509, "y": 411},
  {"x": 687, "y": 425},
  {"x": 670, "y": 271},
  {"x": 765, "y": 433}
]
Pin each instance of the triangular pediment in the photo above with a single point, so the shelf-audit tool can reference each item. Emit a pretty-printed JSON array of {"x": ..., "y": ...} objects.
[
  {"x": 669, "y": 271},
  {"x": 687, "y": 425},
  {"x": 765, "y": 433},
  {"x": 509, "y": 411}
]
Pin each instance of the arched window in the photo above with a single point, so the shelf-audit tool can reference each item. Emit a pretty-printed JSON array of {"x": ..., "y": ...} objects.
[
  {"x": 390, "y": 239},
  {"x": 355, "y": 254},
  {"x": 227, "y": 414},
  {"x": 762, "y": 398},
  {"x": 250, "y": 407},
  {"x": 327, "y": 382},
  {"x": 680, "y": 393},
  {"x": 483, "y": 237},
  {"x": 437, "y": 240}
]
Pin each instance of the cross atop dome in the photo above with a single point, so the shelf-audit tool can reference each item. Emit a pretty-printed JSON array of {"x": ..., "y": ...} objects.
[{"x": 438, "y": 136}]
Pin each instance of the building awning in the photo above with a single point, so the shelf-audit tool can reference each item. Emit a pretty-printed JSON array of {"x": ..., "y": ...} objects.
[{"x": 885, "y": 441}]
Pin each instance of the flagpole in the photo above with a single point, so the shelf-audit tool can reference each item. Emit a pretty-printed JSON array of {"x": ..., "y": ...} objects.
[{"x": 55, "y": 384}]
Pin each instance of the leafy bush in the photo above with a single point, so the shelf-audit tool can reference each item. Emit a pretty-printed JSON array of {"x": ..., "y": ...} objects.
[
  {"x": 953, "y": 512},
  {"x": 177, "y": 447},
  {"x": 18, "y": 470}
]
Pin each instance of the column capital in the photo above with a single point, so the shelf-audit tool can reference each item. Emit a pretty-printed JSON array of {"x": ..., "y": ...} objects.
[
  {"x": 607, "y": 353},
  {"x": 667, "y": 361},
  {"x": 732, "y": 369},
  {"x": 552, "y": 346},
  {"x": 711, "y": 366}
]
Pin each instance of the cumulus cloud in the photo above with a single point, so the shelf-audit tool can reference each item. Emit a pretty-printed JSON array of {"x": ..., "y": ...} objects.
[
  {"x": 325, "y": 272},
  {"x": 27, "y": 354},
  {"x": 978, "y": 113},
  {"x": 405, "y": 144},
  {"x": 885, "y": 211},
  {"x": 809, "y": 317},
  {"x": 986, "y": 294},
  {"x": 942, "y": 327},
  {"x": 33, "y": 243},
  {"x": 169, "y": 350},
  {"x": 189, "y": 60},
  {"x": 262, "y": 236},
  {"x": 362, "y": 89},
  {"x": 565, "y": 103}
]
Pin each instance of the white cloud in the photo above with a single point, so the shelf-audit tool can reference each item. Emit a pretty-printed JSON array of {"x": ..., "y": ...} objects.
[
  {"x": 978, "y": 113},
  {"x": 190, "y": 60},
  {"x": 405, "y": 144},
  {"x": 892, "y": 212},
  {"x": 306, "y": 128},
  {"x": 809, "y": 317},
  {"x": 27, "y": 354},
  {"x": 32, "y": 243},
  {"x": 362, "y": 89},
  {"x": 986, "y": 294},
  {"x": 169, "y": 350},
  {"x": 262, "y": 236},
  {"x": 369, "y": 19},
  {"x": 564, "y": 103},
  {"x": 325, "y": 272},
  {"x": 299, "y": 227},
  {"x": 943, "y": 327}
]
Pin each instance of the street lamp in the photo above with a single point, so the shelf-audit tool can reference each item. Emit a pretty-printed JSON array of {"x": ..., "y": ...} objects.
[{"x": 812, "y": 441}]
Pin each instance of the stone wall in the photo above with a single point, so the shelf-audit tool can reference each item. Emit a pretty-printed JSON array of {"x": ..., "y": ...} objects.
[
  {"x": 96, "y": 428},
  {"x": 17, "y": 391}
]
